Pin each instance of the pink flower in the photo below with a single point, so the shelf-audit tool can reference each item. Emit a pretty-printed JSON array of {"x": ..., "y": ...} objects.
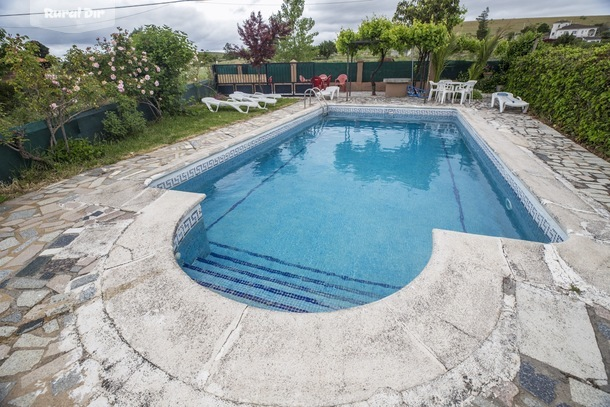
[
  {"x": 156, "y": 83},
  {"x": 113, "y": 76},
  {"x": 91, "y": 58},
  {"x": 96, "y": 65},
  {"x": 143, "y": 91},
  {"x": 158, "y": 69},
  {"x": 147, "y": 77},
  {"x": 121, "y": 88},
  {"x": 53, "y": 106},
  {"x": 151, "y": 92},
  {"x": 112, "y": 68}
]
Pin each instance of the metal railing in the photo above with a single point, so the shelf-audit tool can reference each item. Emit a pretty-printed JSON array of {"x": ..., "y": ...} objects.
[{"x": 310, "y": 93}]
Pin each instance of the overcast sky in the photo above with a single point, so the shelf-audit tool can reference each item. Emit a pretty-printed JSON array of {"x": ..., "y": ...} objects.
[{"x": 211, "y": 24}]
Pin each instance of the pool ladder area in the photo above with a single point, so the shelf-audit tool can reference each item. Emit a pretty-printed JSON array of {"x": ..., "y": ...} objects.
[{"x": 308, "y": 96}]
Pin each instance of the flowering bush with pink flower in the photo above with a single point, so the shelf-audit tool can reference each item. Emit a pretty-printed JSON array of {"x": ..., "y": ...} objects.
[
  {"x": 119, "y": 67},
  {"x": 55, "y": 91}
]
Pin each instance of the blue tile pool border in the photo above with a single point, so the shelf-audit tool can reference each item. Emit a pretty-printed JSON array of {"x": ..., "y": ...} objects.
[{"x": 540, "y": 216}]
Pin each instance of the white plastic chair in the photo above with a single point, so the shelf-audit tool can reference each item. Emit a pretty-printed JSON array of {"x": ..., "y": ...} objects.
[
  {"x": 444, "y": 91},
  {"x": 465, "y": 91}
]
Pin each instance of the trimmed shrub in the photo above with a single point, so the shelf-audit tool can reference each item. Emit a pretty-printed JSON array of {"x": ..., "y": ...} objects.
[
  {"x": 81, "y": 151},
  {"x": 126, "y": 121},
  {"x": 569, "y": 87}
]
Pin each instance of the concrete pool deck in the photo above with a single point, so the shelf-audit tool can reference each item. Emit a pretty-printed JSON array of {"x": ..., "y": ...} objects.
[{"x": 95, "y": 311}]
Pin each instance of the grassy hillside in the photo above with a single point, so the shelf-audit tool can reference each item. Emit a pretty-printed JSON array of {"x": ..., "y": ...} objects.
[{"x": 517, "y": 24}]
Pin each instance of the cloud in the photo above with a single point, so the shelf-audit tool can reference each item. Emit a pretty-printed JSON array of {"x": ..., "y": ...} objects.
[{"x": 211, "y": 24}]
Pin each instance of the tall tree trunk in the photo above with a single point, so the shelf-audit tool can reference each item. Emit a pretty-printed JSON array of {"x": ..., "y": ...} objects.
[{"x": 374, "y": 72}]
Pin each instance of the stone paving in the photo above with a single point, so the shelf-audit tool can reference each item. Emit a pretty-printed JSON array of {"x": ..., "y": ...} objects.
[{"x": 48, "y": 269}]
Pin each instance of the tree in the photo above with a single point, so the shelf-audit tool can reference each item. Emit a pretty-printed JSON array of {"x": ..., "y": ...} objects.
[
  {"x": 441, "y": 54},
  {"x": 230, "y": 51},
  {"x": 566, "y": 39},
  {"x": 518, "y": 47},
  {"x": 172, "y": 52},
  {"x": 298, "y": 45},
  {"x": 483, "y": 20},
  {"x": 543, "y": 28},
  {"x": 426, "y": 38},
  {"x": 326, "y": 49},
  {"x": 376, "y": 36},
  {"x": 484, "y": 50},
  {"x": 124, "y": 71},
  {"x": 347, "y": 43},
  {"x": 46, "y": 91},
  {"x": 259, "y": 38},
  {"x": 445, "y": 12},
  {"x": 43, "y": 50}
]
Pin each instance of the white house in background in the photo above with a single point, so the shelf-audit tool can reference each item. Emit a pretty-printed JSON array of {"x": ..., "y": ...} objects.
[{"x": 586, "y": 32}]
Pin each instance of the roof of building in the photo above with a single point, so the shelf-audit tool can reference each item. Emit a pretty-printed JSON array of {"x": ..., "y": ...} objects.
[{"x": 576, "y": 27}]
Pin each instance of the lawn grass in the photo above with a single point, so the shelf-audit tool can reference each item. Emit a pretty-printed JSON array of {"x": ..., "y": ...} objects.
[{"x": 196, "y": 120}]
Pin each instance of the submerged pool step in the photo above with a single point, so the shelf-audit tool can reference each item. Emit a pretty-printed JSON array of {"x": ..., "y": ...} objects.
[{"x": 270, "y": 283}]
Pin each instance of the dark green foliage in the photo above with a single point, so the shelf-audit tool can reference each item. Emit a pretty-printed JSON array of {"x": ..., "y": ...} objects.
[
  {"x": 462, "y": 76},
  {"x": 569, "y": 87},
  {"x": 43, "y": 50},
  {"x": 488, "y": 84},
  {"x": 483, "y": 20},
  {"x": 543, "y": 28},
  {"x": 566, "y": 39},
  {"x": 518, "y": 47},
  {"x": 80, "y": 151},
  {"x": 126, "y": 121},
  {"x": 172, "y": 51},
  {"x": 7, "y": 96},
  {"x": 326, "y": 49},
  {"x": 446, "y": 12}
]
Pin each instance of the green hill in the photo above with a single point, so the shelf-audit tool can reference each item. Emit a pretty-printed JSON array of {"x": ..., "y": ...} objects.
[{"x": 517, "y": 24}]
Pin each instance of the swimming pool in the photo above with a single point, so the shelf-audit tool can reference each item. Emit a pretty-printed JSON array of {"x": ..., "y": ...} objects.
[{"x": 341, "y": 214}]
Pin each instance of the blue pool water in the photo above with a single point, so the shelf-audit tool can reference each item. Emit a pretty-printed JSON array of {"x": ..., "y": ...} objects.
[{"x": 342, "y": 213}]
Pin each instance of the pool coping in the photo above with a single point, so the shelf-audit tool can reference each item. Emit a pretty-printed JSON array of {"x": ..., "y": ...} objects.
[{"x": 147, "y": 322}]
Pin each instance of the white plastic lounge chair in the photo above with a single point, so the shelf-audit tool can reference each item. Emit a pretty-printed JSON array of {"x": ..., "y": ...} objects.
[
  {"x": 268, "y": 95},
  {"x": 262, "y": 101},
  {"x": 330, "y": 91},
  {"x": 507, "y": 99},
  {"x": 213, "y": 104}
]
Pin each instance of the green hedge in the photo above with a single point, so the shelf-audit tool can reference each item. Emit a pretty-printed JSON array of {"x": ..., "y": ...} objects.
[{"x": 568, "y": 87}]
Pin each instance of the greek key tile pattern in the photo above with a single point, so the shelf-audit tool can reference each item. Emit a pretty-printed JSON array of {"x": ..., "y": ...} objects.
[
  {"x": 186, "y": 224},
  {"x": 550, "y": 228},
  {"x": 392, "y": 112},
  {"x": 178, "y": 177},
  {"x": 547, "y": 224}
]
